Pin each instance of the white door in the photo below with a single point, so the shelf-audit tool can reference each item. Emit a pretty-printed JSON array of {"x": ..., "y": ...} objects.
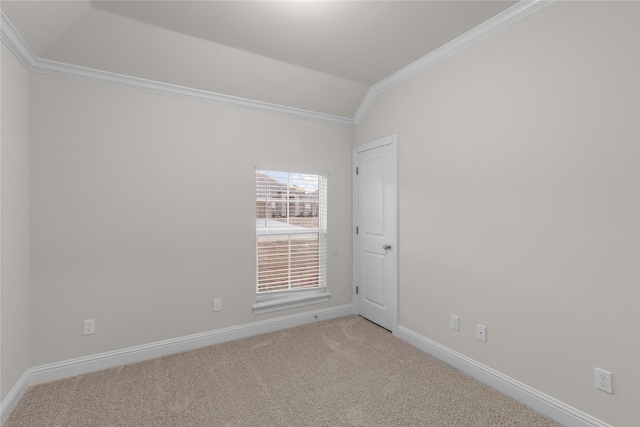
[{"x": 375, "y": 242}]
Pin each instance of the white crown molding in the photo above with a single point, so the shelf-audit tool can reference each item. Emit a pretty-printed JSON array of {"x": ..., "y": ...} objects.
[
  {"x": 16, "y": 44},
  {"x": 14, "y": 41},
  {"x": 492, "y": 25},
  {"x": 366, "y": 103},
  {"x": 536, "y": 400},
  {"x": 82, "y": 365}
]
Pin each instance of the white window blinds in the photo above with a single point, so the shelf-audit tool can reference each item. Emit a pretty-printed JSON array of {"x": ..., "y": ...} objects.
[{"x": 291, "y": 231}]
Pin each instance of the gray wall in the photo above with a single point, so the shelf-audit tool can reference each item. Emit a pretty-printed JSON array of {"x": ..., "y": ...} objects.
[
  {"x": 143, "y": 212},
  {"x": 518, "y": 201},
  {"x": 518, "y": 207},
  {"x": 14, "y": 259}
]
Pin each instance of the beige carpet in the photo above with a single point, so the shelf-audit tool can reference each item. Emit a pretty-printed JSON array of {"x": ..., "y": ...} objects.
[{"x": 340, "y": 372}]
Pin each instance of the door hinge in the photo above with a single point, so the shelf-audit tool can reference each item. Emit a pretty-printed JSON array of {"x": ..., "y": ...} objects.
[
  {"x": 356, "y": 170},
  {"x": 356, "y": 230},
  {"x": 356, "y": 290}
]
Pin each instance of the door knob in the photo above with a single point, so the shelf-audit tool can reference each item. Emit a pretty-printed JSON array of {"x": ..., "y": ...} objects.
[{"x": 386, "y": 247}]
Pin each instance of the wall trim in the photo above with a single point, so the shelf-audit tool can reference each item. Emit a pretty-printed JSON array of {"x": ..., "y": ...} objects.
[
  {"x": 12, "y": 399},
  {"x": 14, "y": 41},
  {"x": 96, "y": 362},
  {"x": 544, "y": 404},
  {"x": 68, "y": 368},
  {"x": 502, "y": 20}
]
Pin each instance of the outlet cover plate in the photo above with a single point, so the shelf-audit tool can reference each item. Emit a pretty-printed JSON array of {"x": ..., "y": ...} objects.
[
  {"x": 481, "y": 332},
  {"x": 455, "y": 322},
  {"x": 89, "y": 327},
  {"x": 603, "y": 381}
]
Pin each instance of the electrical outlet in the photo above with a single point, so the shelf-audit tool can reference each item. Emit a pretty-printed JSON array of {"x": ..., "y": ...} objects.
[
  {"x": 455, "y": 322},
  {"x": 89, "y": 327},
  {"x": 481, "y": 332},
  {"x": 603, "y": 381},
  {"x": 217, "y": 304}
]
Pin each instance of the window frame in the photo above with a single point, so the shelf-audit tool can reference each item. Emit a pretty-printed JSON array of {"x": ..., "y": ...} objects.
[{"x": 276, "y": 300}]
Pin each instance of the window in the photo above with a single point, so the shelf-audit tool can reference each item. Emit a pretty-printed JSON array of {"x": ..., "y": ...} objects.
[{"x": 291, "y": 240}]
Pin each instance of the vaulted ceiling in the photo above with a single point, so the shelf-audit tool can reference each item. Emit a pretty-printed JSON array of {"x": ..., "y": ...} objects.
[{"x": 320, "y": 56}]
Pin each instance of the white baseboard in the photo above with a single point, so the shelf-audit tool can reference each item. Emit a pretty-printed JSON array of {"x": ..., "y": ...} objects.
[
  {"x": 535, "y": 399},
  {"x": 10, "y": 402},
  {"x": 96, "y": 362},
  {"x": 540, "y": 402}
]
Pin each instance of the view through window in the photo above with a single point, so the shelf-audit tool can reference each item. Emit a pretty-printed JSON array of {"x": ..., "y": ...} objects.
[{"x": 291, "y": 229}]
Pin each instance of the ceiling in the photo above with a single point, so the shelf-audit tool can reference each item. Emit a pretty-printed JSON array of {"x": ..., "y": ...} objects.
[{"x": 320, "y": 56}]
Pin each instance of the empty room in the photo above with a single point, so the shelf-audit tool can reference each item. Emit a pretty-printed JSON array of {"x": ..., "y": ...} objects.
[{"x": 320, "y": 213}]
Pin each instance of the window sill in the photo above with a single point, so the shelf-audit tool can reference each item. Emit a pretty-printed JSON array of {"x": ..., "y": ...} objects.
[{"x": 286, "y": 301}]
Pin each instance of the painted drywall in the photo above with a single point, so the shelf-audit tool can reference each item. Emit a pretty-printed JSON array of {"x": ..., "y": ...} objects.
[
  {"x": 14, "y": 226},
  {"x": 143, "y": 212},
  {"x": 519, "y": 201},
  {"x": 167, "y": 56}
]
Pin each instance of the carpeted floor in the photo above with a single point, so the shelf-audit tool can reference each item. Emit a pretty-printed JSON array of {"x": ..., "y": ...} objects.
[{"x": 340, "y": 372}]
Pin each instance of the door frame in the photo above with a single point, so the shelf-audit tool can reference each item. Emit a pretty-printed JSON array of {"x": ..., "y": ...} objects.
[{"x": 391, "y": 140}]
